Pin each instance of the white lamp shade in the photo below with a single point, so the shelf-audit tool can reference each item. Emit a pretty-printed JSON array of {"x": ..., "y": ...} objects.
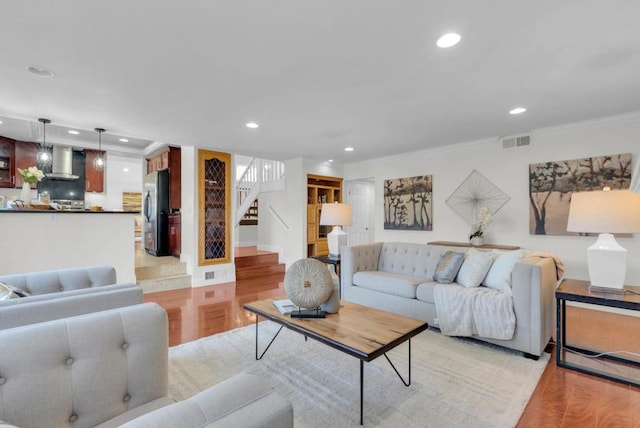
[
  {"x": 612, "y": 211},
  {"x": 335, "y": 215},
  {"x": 605, "y": 212}
]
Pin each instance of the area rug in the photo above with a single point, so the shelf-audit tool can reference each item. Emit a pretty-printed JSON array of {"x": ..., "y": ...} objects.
[{"x": 454, "y": 382}]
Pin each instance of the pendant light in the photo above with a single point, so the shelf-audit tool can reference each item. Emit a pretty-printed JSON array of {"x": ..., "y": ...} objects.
[
  {"x": 44, "y": 157},
  {"x": 98, "y": 161}
]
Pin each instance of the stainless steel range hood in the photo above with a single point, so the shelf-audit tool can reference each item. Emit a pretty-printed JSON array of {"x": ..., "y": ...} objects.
[{"x": 62, "y": 164}]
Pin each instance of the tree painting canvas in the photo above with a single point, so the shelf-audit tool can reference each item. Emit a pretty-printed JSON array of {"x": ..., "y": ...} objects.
[
  {"x": 408, "y": 203},
  {"x": 552, "y": 183}
]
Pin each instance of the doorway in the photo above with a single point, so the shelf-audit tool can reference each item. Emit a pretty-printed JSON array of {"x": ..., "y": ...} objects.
[{"x": 360, "y": 194}]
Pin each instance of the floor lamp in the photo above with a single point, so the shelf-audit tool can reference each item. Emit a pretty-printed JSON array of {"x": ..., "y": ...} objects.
[
  {"x": 605, "y": 212},
  {"x": 335, "y": 215}
]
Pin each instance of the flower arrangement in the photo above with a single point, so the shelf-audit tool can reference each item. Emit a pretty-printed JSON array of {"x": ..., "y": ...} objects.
[
  {"x": 31, "y": 174},
  {"x": 482, "y": 224}
]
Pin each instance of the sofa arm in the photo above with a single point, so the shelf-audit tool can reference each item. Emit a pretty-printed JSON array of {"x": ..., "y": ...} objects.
[
  {"x": 534, "y": 283},
  {"x": 241, "y": 401},
  {"x": 356, "y": 258}
]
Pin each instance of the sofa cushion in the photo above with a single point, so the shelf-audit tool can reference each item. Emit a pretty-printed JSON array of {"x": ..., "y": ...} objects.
[
  {"x": 404, "y": 258},
  {"x": 499, "y": 275},
  {"x": 389, "y": 283},
  {"x": 448, "y": 267},
  {"x": 424, "y": 291},
  {"x": 474, "y": 268},
  {"x": 137, "y": 412}
]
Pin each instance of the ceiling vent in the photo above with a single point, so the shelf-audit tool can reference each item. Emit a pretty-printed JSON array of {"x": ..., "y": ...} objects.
[{"x": 516, "y": 141}]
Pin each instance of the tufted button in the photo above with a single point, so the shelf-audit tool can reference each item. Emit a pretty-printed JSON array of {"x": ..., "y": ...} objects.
[
  {"x": 3, "y": 381},
  {"x": 69, "y": 361},
  {"x": 61, "y": 288},
  {"x": 73, "y": 417},
  {"x": 90, "y": 284},
  {"x": 126, "y": 398},
  {"x": 125, "y": 345}
]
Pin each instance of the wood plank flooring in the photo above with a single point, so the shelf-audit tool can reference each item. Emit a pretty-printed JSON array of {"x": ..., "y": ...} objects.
[{"x": 563, "y": 398}]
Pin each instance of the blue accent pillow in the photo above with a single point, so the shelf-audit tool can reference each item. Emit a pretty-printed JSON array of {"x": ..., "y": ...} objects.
[{"x": 448, "y": 267}]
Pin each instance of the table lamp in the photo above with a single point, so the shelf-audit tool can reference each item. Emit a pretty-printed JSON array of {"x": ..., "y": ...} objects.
[
  {"x": 335, "y": 215},
  {"x": 605, "y": 212}
]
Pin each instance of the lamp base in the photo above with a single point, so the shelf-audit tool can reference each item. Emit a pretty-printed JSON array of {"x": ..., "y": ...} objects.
[
  {"x": 336, "y": 239},
  {"x": 610, "y": 290},
  {"x": 607, "y": 263}
]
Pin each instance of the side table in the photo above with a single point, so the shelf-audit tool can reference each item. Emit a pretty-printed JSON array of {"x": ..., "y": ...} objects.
[
  {"x": 330, "y": 261},
  {"x": 612, "y": 367}
]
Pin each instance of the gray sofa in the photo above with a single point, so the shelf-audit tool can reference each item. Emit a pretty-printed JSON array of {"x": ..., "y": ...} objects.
[
  {"x": 61, "y": 293},
  {"x": 370, "y": 275},
  {"x": 110, "y": 369}
]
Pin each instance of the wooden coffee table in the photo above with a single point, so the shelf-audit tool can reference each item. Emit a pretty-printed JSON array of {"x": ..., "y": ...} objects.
[{"x": 362, "y": 332}]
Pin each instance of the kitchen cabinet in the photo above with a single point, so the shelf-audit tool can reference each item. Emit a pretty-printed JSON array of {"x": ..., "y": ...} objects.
[
  {"x": 94, "y": 179},
  {"x": 214, "y": 206},
  {"x": 169, "y": 158},
  {"x": 175, "y": 236},
  {"x": 26, "y": 156},
  {"x": 7, "y": 162},
  {"x": 320, "y": 190}
]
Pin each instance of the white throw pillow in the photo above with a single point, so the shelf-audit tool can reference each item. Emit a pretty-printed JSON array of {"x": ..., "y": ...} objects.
[
  {"x": 474, "y": 268},
  {"x": 499, "y": 276}
]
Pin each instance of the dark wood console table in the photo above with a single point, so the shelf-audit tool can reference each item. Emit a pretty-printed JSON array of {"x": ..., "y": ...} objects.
[{"x": 587, "y": 360}]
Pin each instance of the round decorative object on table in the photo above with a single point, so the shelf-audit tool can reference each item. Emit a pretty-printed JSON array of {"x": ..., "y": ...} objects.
[
  {"x": 25, "y": 195},
  {"x": 308, "y": 283},
  {"x": 477, "y": 241}
]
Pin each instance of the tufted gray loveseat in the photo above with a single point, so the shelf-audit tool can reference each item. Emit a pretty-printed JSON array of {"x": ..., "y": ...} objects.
[
  {"x": 66, "y": 292},
  {"x": 110, "y": 369}
]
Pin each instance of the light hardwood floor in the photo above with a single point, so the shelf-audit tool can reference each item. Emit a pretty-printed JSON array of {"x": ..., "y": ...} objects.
[{"x": 563, "y": 398}]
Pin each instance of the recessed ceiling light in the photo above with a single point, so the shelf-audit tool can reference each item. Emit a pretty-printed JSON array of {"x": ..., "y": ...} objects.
[
  {"x": 124, "y": 140},
  {"x": 252, "y": 125},
  {"x": 0, "y": 122},
  {"x": 330, "y": 160},
  {"x": 448, "y": 40},
  {"x": 40, "y": 71},
  {"x": 125, "y": 169},
  {"x": 517, "y": 110},
  {"x": 71, "y": 131},
  {"x": 348, "y": 149}
]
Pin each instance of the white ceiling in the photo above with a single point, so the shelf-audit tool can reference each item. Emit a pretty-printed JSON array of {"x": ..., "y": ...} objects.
[{"x": 317, "y": 75}]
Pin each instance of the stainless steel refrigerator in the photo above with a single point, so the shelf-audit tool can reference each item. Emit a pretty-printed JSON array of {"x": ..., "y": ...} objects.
[{"x": 156, "y": 213}]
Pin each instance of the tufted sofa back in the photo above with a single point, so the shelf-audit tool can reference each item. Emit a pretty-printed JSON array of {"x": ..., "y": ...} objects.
[
  {"x": 84, "y": 370},
  {"x": 404, "y": 258},
  {"x": 53, "y": 281}
]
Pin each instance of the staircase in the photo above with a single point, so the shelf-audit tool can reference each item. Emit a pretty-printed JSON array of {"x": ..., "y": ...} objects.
[
  {"x": 261, "y": 175},
  {"x": 252, "y": 264}
]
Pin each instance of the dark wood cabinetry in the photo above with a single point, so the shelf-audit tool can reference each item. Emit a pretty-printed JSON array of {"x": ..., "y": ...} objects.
[
  {"x": 7, "y": 162},
  {"x": 26, "y": 156},
  {"x": 169, "y": 158},
  {"x": 214, "y": 204},
  {"x": 94, "y": 179},
  {"x": 175, "y": 236}
]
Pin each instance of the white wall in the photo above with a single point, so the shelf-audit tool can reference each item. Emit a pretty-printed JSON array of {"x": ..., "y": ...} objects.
[
  {"x": 507, "y": 169},
  {"x": 122, "y": 174}
]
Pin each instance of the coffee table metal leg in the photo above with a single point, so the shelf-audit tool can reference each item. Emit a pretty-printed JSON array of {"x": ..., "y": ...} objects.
[
  {"x": 361, "y": 389},
  {"x": 267, "y": 348},
  {"x": 406, "y": 383}
]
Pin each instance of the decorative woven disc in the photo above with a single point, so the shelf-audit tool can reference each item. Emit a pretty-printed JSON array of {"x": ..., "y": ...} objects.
[{"x": 308, "y": 283}]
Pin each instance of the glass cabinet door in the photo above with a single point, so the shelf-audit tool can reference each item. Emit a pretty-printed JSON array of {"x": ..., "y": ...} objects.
[{"x": 214, "y": 181}]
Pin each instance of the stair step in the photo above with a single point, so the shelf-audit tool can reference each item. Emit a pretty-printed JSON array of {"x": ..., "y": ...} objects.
[
  {"x": 257, "y": 260},
  {"x": 260, "y": 271},
  {"x": 160, "y": 271},
  {"x": 170, "y": 282}
]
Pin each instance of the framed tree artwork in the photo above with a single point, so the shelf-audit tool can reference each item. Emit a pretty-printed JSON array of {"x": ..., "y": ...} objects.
[
  {"x": 408, "y": 203},
  {"x": 552, "y": 183}
]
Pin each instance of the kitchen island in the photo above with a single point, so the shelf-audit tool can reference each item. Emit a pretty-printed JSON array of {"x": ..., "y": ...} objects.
[{"x": 35, "y": 240}]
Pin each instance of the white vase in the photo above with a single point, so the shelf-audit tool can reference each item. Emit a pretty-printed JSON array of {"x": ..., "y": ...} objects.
[
  {"x": 26, "y": 193},
  {"x": 477, "y": 241}
]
